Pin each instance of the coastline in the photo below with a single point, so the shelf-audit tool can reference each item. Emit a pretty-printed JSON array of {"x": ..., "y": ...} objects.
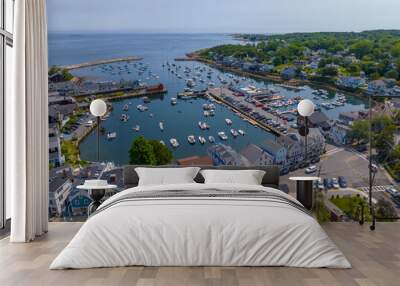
[{"x": 274, "y": 78}]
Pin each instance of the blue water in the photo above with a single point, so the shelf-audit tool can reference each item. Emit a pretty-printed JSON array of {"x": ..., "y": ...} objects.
[{"x": 180, "y": 120}]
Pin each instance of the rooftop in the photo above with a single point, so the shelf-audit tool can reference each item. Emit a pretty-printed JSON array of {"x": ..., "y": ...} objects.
[{"x": 375, "y": 258}]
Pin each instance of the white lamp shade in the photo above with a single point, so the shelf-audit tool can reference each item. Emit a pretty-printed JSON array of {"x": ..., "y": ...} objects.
[
  {"x": 98, "y": 107},
  {"x": 305, "y": 107}
]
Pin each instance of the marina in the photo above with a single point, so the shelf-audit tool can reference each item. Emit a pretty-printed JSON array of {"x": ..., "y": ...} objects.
[{"x": 182, "y": 108}]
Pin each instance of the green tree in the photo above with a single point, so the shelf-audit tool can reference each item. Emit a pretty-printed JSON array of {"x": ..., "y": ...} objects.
[
  {"x": 361, "y": 48},
  {"x": 383, "y": 135},
  {"x": 162, "y": 153},
  {"x": 149, "y": 152},
  {"x": 359, "y": 130},
  {"x": 385, "y": 209},
  {"x": 141, "y": 152}
]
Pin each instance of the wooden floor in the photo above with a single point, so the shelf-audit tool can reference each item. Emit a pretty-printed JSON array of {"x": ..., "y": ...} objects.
[{"x": 375, "y": 257}]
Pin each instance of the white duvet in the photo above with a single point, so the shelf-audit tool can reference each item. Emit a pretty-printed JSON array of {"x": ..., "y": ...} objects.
[{"x": 200, "y": 231}]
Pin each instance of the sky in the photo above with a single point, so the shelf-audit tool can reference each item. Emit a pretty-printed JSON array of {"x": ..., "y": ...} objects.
[{"x": 222, "y": 16}]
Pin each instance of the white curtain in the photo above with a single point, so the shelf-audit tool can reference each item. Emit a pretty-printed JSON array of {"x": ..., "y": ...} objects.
[{"x": 27, "y": 124}]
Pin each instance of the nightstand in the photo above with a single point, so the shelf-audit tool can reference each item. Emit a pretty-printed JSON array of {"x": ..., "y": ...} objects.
[
  {"x": 97, "y": 190},
  {"x": 304, "y": 190}
]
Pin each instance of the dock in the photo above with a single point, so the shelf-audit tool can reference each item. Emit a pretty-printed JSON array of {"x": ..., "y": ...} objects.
[
  {"x": 101, "y": 62},
  {"x": 216, "y": 93}
]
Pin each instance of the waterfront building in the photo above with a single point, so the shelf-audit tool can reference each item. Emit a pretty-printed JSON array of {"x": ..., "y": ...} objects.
[
  {"x": 60, "y": 186},
  {"x": 222, "y": 154},
  {"x": 257, "y": 156},
  {"x": 294, "y": 149},
  {"x": 349, "y": 117},
  {"x": 377, "y": 87},
  {"x": 351, "y": 82},
  {"x": 276, "y": 151},
  {"x": 195, "y": 161},
  {"x": 317, "y": 120},
  {"x": 78, "y": 203},
  {"x": 288, "y": 73},
  {"x": 56, "y": 158},
  {"x": 339, "y": 133}
]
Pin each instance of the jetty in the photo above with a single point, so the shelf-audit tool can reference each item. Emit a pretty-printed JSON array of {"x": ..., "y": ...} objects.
[{"x": 101, "y": 62}]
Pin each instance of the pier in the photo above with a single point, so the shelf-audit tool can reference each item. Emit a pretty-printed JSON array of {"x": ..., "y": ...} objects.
[
  {"x": 216, "y": 93},
  {"x": 101, "y": 62}
]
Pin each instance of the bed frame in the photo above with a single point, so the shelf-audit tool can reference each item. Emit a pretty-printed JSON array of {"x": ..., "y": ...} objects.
[{"x": 270, "y": 179}]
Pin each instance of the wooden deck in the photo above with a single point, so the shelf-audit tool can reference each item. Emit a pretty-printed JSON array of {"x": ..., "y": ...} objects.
[{"x": 375, "y": 257}]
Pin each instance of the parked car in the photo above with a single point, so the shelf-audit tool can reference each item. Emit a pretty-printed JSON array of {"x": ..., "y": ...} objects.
[
  {"x": 320, "y": 184},
  {"x": 326, "y": 182},
  {"x": 311, "y": 169},
  {"x": 335, "y": 183},
  {"x": 342, "y": 182},
  {"x": 329, "y": 184},
  {"x": 393, "y": 192}
]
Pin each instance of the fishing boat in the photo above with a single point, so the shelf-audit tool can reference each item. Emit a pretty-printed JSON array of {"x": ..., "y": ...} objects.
[
  {"x": 191, "y": 139},
  {"x": 222, "y": 135},
  {"x": 136, "y": 128},
  {"x": 211, "y": 139},
  {"x": 174, "y": 101},
  {"x": 111, "y": 135},
  {"x": 241, "y": 132},
  {"x": 234, "y": 133},
  {"x": 161, "y": 124},
  {"x": 202, "y": 140},
  {"x": 174, "y": 142},
  {"x": 228, "y": 121}
]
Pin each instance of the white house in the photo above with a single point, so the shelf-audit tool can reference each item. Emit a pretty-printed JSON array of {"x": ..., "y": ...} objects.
[
  {"x": 338, "y": 133},
  {"x": 277, "y": 152},
  {"x": 257, "y": 156},
  {"x": 294, "y": 150}
]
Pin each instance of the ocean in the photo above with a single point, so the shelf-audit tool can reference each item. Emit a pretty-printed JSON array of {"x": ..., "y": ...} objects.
[{"x": 180, "y": 120}]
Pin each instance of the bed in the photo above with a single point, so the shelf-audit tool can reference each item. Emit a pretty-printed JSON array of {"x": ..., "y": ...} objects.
[{"x": 198, "y": 224}]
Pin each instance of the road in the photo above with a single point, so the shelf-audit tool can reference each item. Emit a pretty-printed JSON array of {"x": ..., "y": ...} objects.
[{"x": 352, "y": 165}]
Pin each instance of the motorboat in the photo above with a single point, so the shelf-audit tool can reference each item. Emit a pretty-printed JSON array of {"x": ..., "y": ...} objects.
[
  {"x": 242, "y": 132},
  {"x": 228, "y": 121},
  {"x": 174, "y": 142},
  {"x": 202, "y": 140},
  {"x": 191, "y": 139},
  {"x": 136, "y": 128},
  {"x": 211, "y": 139},
  {"x": 111, "y": 135},
  {"x": 161, "y": 125},
  {"x": 234, "y": 133},
  {"x": 222, "y": 135}
]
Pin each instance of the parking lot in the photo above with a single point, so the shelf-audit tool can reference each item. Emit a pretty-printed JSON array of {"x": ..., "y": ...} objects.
[{"x": 353, "y": 166}]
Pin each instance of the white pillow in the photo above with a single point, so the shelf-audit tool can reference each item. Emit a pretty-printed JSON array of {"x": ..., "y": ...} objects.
[
  {"x": 245, "y": 177},
  {"x": 166, "y": 176}
]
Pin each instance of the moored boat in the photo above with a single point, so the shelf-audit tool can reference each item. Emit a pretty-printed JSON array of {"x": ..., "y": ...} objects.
[
  {"x": 202, "y": 140},
  {"x": 111, "y": 135},
  {"x": 174, "y": 142},
  {"x": 222, "y": 135},
  {"x": 191, "y": 139}
]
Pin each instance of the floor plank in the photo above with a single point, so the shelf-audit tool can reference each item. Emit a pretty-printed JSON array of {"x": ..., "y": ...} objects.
[{"x": 375, "y": 257}]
